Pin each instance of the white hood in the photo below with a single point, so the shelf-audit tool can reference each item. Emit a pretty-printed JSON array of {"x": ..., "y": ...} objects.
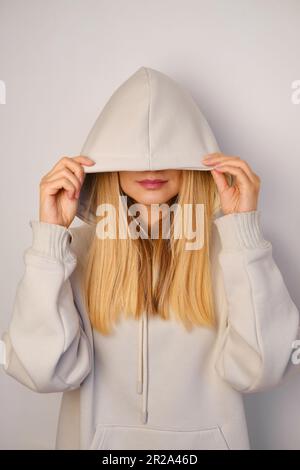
[{"x": 149, "y": 123}]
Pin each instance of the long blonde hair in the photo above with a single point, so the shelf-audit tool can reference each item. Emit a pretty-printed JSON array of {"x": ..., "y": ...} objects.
[{"x": 119, "y": 273}]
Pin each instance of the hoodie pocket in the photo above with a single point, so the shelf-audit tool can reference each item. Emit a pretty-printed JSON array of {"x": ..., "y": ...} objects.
[{"x": 116, "y": 437}]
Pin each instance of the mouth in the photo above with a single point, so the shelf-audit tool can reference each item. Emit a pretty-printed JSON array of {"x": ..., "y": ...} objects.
[{"x": 152, "y": 184}]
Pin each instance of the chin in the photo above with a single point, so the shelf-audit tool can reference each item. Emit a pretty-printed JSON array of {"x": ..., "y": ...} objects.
[{"x": 152, "y": 199}]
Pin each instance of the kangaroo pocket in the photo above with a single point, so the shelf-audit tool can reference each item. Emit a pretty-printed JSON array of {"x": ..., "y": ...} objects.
[{"x": 116, "y": 437}]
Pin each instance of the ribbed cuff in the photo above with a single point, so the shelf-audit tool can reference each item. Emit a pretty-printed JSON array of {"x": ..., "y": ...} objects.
[
  {"x": 241, "y": 230},
  {"x": 50, "y": 239}
]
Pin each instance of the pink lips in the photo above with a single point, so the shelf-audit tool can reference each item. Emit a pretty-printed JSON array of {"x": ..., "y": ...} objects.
[{"x": 152, "y": 184}]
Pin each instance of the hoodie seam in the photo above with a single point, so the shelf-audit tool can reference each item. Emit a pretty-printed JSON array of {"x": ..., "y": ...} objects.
[
  {"x": 260, "y": 351},
  {"x": 149, "y": 112}
]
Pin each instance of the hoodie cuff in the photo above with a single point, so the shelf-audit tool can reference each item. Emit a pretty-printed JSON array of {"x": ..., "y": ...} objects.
[
  {"x": 51, "y": 240},
  {"x": 241, "y": 230}
]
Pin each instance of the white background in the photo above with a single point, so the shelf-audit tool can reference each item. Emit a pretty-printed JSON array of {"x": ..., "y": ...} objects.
[{"x": 62, "y": 59}]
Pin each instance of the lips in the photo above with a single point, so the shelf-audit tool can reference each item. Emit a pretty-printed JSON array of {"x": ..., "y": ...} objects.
[{"x": 152, "y": 184}]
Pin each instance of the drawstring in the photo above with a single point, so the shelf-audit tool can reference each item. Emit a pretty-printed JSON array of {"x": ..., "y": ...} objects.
[
  {"x": 142, "y": 360},
  {"x": 142, "y": 375}
]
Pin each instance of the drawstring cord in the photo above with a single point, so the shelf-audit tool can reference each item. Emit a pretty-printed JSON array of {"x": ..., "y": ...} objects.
[
  {"x": 142, "y": 375},
  {"x": 140, "y": 358}
]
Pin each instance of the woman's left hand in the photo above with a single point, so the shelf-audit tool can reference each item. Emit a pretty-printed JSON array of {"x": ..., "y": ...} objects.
[{"x": 242, "y": 196}]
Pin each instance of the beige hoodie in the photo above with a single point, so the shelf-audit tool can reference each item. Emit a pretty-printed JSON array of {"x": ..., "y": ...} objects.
[{"x": 151, "y": 384}]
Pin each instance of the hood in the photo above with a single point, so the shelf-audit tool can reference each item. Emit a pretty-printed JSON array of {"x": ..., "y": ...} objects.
[{"x": 149, "y": 123}]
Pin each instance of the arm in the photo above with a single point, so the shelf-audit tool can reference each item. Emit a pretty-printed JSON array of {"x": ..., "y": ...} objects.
[
  {"x": 255, "y": 341},
  {"x": 46, "y": 347}
]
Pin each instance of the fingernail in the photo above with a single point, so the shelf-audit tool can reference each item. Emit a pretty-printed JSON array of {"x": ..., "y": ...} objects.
[{"x": 88, "y": 158}]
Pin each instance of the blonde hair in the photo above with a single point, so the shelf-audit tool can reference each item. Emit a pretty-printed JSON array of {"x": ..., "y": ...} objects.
[{"x": 129, "y": 276}]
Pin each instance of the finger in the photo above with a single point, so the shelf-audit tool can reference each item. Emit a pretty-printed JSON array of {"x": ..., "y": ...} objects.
[
  {"x": 73, "y": 162},
  {"x": 70, "y": 163},
  {"x": 220, "y": 181},
  {"x": 52, "y": 187},
  {"x": 65, "y": 172},
  {"x": 83, "y": 160},
  {"x": 232, "y": 160},
  {"x": 239, "y": 164},
  {"x": 216, "y": 156},
  {"x": 241, "y": 177}
]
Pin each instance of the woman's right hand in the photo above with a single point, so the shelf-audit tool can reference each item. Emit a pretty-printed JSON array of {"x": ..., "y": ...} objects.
[{"x": 60, "y": 189}]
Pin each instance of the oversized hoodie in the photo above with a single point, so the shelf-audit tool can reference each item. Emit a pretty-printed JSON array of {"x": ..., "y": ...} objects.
[{"x": 151, "y": 384}]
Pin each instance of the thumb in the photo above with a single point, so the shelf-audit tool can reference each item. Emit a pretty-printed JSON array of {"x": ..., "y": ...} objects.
[{"x": 220, "y": 180}]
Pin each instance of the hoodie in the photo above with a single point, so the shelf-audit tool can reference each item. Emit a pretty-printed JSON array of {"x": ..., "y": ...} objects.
[{"x": 151, "y": 384}]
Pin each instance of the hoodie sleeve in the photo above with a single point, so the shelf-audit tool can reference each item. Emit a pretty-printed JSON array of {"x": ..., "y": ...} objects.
[
  {"x": 256, "y": 339},
  {"x": 46, "y": 347}
]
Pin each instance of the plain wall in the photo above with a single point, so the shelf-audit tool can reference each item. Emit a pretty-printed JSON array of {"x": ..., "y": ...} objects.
[{"x": 62, "y": 59}]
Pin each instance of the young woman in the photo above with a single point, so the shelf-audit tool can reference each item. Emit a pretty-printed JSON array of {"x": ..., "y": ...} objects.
[{"x": 151, "y": 343}]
